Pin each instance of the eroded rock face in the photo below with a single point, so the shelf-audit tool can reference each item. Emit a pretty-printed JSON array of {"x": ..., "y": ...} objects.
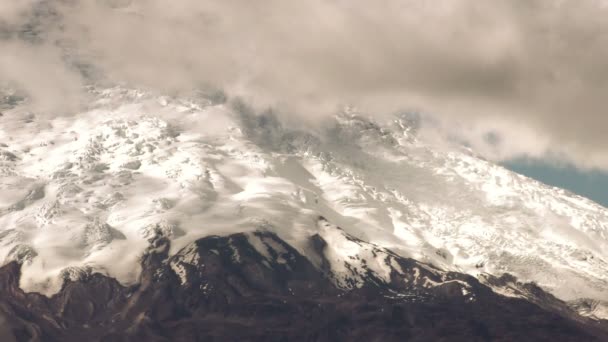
[{"x": 256, "y": 287}]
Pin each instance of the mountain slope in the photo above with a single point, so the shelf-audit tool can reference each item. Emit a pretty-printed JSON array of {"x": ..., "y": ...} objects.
[
  {"x": 87, "y": 194},
  {"x": 256, "y": 287}
]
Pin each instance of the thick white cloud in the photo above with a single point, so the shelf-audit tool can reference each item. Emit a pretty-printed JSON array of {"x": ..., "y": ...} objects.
[{"x": 533, "y": 71}]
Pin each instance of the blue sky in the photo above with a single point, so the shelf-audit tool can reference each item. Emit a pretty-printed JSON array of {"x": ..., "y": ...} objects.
[{"x": 591, "y": 184}]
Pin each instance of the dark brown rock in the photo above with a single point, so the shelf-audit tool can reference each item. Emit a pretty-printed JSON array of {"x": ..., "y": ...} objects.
[{"x": 223, "y": 289}]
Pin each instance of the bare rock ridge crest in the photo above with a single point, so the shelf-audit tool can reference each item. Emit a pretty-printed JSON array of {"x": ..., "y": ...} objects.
[{"x": 229, "y": 288}]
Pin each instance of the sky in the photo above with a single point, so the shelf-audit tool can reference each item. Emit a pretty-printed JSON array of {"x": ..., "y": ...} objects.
[
  {"x": 590, "y": 184},
  {"x": 530, "y": 74}
]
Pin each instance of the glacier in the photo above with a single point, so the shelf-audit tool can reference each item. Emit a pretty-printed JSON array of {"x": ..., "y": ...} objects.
[{"x": 87, "y": 193}]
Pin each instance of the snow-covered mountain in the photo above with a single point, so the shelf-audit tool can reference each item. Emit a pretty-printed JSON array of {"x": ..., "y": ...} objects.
[{"x": 89, "y": 193}]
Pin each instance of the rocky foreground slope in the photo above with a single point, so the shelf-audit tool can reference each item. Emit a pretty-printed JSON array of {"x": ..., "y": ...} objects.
[{"x": 256, "y": 287}]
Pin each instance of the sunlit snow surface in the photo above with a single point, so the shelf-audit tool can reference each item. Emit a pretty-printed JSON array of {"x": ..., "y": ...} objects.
[{"x": 86, "y": 192}]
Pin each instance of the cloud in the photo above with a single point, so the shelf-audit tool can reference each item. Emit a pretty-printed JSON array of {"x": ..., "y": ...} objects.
[
  {"x": 14, "y": 11},
  {"x": 532, "y": 72},
  {"x": 33, "y": 64},
  {"x": 40, "y": 71}
]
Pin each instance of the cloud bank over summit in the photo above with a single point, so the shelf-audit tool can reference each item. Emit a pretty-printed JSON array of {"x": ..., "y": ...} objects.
[{"x": 531, "y": 73}]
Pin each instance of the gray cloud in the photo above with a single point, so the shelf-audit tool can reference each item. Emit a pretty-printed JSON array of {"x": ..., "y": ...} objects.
[
  {"x": 533, "y": 71},
  {"x": 40, "y": 71},
  {"x": 14, "y": 11}
]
